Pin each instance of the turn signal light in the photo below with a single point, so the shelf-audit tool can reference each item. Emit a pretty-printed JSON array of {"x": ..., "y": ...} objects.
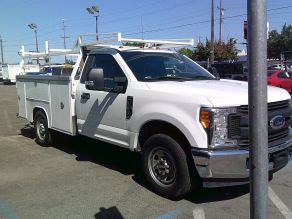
[{"x": 205, "y": 118}]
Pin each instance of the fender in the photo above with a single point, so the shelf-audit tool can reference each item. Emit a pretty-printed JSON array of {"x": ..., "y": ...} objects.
[
  {"x": 42, "y": 108},
  {"x": 177, "y": 117}
]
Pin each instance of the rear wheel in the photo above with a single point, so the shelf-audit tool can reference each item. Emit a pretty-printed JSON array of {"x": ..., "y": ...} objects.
[
  {"x": 166, "y": 167},
  {"x": 42, "y": 132}
]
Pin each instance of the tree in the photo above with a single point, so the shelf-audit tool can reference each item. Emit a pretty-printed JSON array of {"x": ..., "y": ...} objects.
[
  {"x": 202, "y": 51},
  {"x": 226, "y": 50},
  {"x": 134, "y": 44},
  {"x": 137, "y": 44},
  {"x": 186, "y": 51},
  {"x": 223, "y": 51},
  {"x": 70, "y": 62},
  {"x": 279, "y": 42}
]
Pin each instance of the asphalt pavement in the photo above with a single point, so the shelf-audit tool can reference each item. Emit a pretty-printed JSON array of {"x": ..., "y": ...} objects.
[{"x": 82, "y": 178}]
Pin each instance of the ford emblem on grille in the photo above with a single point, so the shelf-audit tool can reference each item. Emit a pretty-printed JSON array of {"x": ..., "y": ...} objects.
[{"x": 277, "y": 122}]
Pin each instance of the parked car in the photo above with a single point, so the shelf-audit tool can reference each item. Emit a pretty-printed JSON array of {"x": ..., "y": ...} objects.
[
  {"x": 275, "y": 67},
  {"x": 232, "y": 70},
  {"x": 58, "y": 69},
  {"x": 280, "y": 78}
]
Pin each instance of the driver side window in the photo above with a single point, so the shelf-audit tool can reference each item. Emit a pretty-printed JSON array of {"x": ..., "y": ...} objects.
[{"x": 111, "y": 69}]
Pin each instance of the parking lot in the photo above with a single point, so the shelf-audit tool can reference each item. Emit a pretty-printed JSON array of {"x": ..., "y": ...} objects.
[{"x": 81, "y": 178}]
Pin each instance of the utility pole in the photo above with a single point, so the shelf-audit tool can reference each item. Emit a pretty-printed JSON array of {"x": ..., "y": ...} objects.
[
  {"x": 64, "y": 36},
  {"x": 221, "y": 9},
  {"x": 212, "y": 34},
  {"x": 1, "y": 45},
  {"x": 257, "y": 102}
]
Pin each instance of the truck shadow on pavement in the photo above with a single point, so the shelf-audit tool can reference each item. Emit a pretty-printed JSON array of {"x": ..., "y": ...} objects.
[
  {"x": 128, "y": 163},
  {"x": 112, "y": 212}
]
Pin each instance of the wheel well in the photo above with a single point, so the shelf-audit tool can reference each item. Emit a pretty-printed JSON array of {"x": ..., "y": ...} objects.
[
  {"x": 162, "y": 127},
  {"x": 37, "y": 109}
]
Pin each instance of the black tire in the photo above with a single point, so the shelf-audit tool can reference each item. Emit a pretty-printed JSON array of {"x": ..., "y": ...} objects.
[
  {"x": 42, "y": 132},
  {"x": 173, "y": 162}
]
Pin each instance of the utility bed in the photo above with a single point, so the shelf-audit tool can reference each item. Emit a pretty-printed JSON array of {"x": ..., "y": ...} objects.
[{"x": 52, "y": 94}]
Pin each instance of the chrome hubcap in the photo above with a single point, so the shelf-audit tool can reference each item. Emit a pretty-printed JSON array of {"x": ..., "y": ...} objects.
[
  {"x": 162, "y": 166},
  {"x": 41, "y": 130}
]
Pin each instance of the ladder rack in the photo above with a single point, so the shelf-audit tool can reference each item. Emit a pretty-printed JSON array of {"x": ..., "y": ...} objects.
[
  {"x": 114, "y": 38},
  {"x": 105, "y": 40}
]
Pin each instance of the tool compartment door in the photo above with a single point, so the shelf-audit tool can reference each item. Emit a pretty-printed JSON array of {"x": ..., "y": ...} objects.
[
  {"x": 61, "y": 107},
  {"x": 22, "y": 112}
]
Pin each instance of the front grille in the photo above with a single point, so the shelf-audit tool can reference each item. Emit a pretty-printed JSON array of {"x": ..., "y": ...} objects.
[
  {"x": 275, "y": 137},
  {"x": 233, "y": 126},
  {"x": 238, "y": 124},
  {"x": 271, "y": 106}
]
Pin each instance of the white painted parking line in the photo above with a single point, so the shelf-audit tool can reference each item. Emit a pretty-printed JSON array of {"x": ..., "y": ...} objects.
[
  {"x": 170, "y": 215},
  {"x": 285, "y": 211},
  {"x": 199, "y": 213},
  {"x": 6, "y": 212}
]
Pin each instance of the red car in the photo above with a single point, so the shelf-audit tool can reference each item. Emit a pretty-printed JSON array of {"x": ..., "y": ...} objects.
[{"x": 280, "y": 78}]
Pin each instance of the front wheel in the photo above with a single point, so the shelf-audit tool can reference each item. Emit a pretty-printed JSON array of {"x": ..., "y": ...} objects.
[
  {"x": 42, "y": 132},
  {"x": 166, "y": 167}
]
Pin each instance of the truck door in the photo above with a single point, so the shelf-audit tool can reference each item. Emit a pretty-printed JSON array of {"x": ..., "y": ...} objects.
[{"x": 101, "y": 114}]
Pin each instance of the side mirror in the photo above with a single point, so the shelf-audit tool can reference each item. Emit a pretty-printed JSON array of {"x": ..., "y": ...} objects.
[{"x": 95, "y": 79}]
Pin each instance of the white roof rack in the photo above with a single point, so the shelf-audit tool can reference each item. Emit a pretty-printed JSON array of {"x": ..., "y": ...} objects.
[
  {"x": 105, "y": 40},
  {"x": 113, "y": 38},
  {"x": 48, "y": 52}
]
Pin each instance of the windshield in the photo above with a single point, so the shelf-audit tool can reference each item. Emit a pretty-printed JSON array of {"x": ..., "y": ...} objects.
[{"x": 154, "y": 66}]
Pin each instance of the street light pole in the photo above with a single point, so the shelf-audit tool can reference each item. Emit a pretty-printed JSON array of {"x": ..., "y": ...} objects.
[
  {"x": 258, "y": 131},
  {"x": 36, "y": 40},
  {"x": 95, "y": 11},
  {"x": 35, "y": 28},
  {"x": 96, "y": 28}
]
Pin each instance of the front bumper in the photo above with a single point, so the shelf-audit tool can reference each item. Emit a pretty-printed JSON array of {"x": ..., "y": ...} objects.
[{"x": 230, "y": 167}]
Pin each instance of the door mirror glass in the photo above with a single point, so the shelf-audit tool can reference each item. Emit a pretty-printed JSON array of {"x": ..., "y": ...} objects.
[{"x": 95, "y": 79}]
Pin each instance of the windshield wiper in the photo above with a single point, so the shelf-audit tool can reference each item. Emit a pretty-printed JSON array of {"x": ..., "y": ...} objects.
[
  {"x": 202, "y": 77},
  {"x": 166, "y": 78}
]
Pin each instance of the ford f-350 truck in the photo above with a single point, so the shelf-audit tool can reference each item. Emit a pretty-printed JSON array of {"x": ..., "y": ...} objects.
[{"x": 188, "y": 126}]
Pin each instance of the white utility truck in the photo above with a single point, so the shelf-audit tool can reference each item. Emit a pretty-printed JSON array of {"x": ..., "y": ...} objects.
[
  {"x": 11, "y": 70},
  {"x": 189, "y": 126}
]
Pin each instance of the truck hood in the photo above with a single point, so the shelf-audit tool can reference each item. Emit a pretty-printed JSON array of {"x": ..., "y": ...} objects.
[{"x": 220, "y": 93}]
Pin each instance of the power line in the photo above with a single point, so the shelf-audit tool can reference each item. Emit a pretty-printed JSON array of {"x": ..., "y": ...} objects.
[
  {"x": 162, "y": 29},
  {"x": 205, "y": 21}
]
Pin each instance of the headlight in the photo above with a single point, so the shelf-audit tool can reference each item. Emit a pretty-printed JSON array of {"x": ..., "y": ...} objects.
[{"x": 215, "y": 122}]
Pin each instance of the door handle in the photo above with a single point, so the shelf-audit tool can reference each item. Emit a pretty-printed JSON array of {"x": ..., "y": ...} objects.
[{"x": 85, "y": 96}]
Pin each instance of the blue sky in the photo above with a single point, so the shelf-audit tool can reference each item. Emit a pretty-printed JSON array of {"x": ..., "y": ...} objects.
[{"x": 157, "y": 18}]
